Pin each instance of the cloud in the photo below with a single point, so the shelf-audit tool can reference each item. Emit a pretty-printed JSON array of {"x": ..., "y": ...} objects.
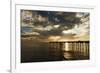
[
  {"x": 27, "y": 25},
  {"x": 78, "y": 32},
  {"x": 74, "y": 30},
  {"x": 56, "y": 25},
  {"x": 42, "y": 19},
  {"x": 31, "y": 33},
  {"x": 41, "y": 28}
]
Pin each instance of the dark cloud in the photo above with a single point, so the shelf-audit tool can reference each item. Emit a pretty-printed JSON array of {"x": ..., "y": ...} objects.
[{"x": 43, "y": 22}]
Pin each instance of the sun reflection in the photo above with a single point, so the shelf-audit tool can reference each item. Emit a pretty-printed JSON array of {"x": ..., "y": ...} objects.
[{"x": 66, "y": 47}]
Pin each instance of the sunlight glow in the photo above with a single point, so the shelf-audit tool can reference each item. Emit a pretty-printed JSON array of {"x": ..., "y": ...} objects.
[
  {"x": 54, "y": 38},
  {"x": 66, "y": 47}
]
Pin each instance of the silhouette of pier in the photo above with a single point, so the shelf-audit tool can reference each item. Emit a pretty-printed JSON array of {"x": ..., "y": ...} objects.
[{"x": 76, "y": 50}]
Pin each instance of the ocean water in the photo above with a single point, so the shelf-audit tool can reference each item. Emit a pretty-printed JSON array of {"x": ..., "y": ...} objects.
[{"x": 34, "y": 51}]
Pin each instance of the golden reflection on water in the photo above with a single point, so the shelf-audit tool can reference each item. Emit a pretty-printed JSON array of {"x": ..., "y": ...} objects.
[
  {"x": 66, "y": 47},
  {"x": 66, "y": 54}
]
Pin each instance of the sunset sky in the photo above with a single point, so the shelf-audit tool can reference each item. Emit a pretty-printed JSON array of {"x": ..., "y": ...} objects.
[{"x": 55, "y": 26}]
